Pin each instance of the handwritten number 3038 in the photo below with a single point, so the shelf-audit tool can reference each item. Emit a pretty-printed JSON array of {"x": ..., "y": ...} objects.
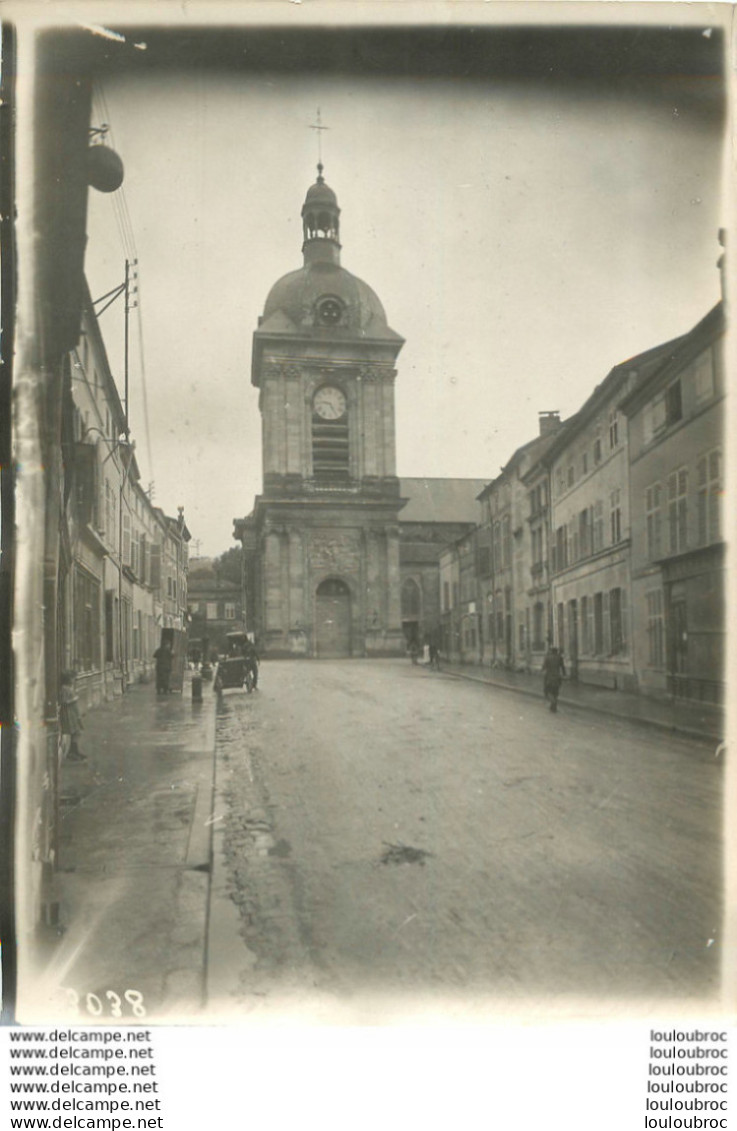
[{"x": 95, "y": 1006}]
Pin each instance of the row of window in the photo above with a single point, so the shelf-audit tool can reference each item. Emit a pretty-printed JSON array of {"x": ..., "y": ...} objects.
[
  {"x": 591, "y": 626},
  {"x": 567, "y": 476},
  {"x": 663, "y": 411},
  {"x": 667, "y": 508},
  {"x": 666, "y": 514},
  {"x": 99, "y": 508},
  {"x": 594, "y": 625},
  {"x": 585, "y": 534},
  {"x": 210, "y": 610},
  {"x": 136, "y": 632}
]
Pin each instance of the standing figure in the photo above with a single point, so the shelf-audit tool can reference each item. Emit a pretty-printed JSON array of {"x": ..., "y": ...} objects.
[
  {"x": 553, "y": 672},
  {"x": 71, "y": 720},
  {"x": 250, "y": 656},
  {"x": 163, "y": 658}
]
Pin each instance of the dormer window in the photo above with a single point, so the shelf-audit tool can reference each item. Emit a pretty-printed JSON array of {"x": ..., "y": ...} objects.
[
  {"x": 329, "y": 311},
  {"x": 673, "y": 404}
]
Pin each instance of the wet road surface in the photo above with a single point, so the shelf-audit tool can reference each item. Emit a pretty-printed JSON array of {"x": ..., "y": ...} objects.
[
  {"x": 390, "y": 830},
  {"x": 133, "y": 859}
]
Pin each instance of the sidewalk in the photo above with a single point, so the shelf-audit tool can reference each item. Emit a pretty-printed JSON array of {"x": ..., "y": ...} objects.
[
  {"x": 135, "y": 856},
  {"x": 702, "y": 721}
]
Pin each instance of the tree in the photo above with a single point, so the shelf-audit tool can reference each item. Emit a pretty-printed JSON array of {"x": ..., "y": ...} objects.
[{"x": 229, "y": 566}]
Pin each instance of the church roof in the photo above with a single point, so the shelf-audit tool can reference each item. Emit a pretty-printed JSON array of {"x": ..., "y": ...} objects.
[
  {"x": 290, "y": 305},
  {"x": 440, "y": 500},
  {"x": 320, "y": 193}
]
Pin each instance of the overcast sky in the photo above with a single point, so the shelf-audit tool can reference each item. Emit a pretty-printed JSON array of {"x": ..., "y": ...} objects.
[{"x": 523, "y": 238}]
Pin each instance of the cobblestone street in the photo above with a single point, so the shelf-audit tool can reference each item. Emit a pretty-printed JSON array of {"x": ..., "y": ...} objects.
[{"x": 387, "y": 830}]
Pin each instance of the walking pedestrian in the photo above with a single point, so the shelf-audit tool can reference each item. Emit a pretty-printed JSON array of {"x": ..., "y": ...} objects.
[
  {"x": 163, "y": 658},
  {"x": 71, "y": 720},
  {"x": 553, "y": 672}
]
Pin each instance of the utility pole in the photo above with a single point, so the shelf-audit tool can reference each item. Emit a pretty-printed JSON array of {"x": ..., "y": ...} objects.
[
  {"x": 125, "y": 356},
  {"x": 127, "y": 291}
]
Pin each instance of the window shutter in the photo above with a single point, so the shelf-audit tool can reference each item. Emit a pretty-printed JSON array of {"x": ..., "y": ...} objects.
[
  {"x": 598, "y": 525},
  {"x": 126, "y": 549},
  {"x": 606, "y": 633},
  {"x": 155, "y": 565},
  {"x": 86, "y": 484},
  {"x": 98, "y": 517},
  {"x": 625, "y": 619}
]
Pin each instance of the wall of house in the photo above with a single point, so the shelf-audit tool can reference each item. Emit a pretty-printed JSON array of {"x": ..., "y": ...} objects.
[
  {"x": 676, "y": 485},
  {"x": 123, "y": 550},
  {"x": 590, "y": 533}
]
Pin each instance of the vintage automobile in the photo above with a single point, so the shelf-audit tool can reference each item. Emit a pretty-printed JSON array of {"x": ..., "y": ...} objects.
[{"x": 233, "y": 670}]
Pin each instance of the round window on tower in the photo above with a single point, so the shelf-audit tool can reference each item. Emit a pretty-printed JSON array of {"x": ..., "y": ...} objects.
[{"x": 329, "y": 311}]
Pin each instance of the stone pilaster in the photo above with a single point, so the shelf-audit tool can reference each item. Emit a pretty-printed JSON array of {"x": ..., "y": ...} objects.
[
  {"x": 297, "y": 611},
  {"x": 272, "y": 582},
  {"x": 394, "y": 610},
  {"x": 388, "y": 445},
  {"x": 294, "y": 416}
]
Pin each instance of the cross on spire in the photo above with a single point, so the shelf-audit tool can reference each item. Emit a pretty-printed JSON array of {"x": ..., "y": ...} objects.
[{"x": 319, "y": 129}]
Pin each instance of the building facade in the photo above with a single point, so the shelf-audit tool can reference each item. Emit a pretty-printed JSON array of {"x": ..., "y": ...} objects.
[
  {"x": 512, "y": 598},
  {"x": 123, "y": 565},
  {"x": 589, "y": 552},
  {"x": 536, "y": 569},
  {"x": 215, "y": 608},
  {"x": 675, "y": 417},
  {"x": 438, "y": 513},
  {"x": 604, "y": 535},
  {"x": 461, "y": 636},
  {"x": 333, "y": 565}
]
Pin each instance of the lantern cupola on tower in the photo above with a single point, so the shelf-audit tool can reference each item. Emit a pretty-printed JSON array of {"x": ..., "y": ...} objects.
[{"x": 321, "y": 223}]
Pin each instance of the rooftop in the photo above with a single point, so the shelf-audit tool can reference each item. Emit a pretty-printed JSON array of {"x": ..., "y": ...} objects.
[{"x": 440, "y": 500}]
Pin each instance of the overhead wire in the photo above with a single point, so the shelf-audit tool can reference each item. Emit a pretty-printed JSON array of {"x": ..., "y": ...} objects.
[{"x": 126, "y": 233}]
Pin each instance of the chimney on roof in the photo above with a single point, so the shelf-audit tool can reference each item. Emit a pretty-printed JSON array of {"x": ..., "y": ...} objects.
[
  {"x": 722, "y": 263},
  {"x": 549, "y": 422}
]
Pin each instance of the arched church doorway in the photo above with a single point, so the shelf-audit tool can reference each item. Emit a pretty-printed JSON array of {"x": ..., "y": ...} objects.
[{"x": 333, "y": 619}]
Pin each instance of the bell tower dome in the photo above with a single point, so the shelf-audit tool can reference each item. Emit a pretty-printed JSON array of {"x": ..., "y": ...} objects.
[
  {"x": 325, "y": 529},
  {"x": 321, "y": 223}
]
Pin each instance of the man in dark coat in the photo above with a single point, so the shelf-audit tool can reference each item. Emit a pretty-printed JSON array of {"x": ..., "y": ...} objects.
[
  {"x": 163, "y": 659},
  {"x": 553, "y": 672}
]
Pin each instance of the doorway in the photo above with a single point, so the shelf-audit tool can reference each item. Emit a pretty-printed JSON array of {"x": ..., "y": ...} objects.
[
  {"x": 333, "y": 619},
  {"x": 573, "y": 639},
  {"x": 678, "y": 641}
]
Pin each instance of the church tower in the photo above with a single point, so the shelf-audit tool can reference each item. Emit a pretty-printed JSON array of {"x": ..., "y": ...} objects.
[{"x": 322, "y": 544}]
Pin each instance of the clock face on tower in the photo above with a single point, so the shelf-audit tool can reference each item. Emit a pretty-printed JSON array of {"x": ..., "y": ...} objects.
[{"x": 329, "y": 402}]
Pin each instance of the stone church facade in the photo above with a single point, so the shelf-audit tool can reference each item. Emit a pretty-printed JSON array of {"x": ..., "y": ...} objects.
[{"x": 322, "y": 545}]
